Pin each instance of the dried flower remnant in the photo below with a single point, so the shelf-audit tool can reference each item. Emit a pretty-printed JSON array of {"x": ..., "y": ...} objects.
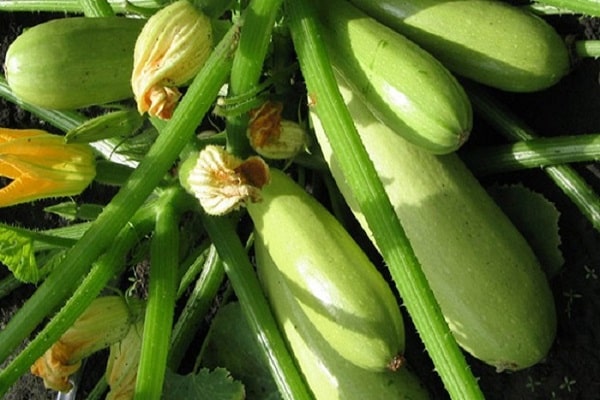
[
  {"x": 273, "y": 137},
  {"x": 170, "y": 50},
  {"x": 42, "y": 165},
  {"x": 223, "y": 182},
  {"x": 106, "y": 321}
]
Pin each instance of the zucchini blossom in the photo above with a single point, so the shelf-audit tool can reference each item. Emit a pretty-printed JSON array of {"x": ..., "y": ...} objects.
[
  {"x": 221, "y": 181},
  {"x": 172, "y": 47},
  {"x": 106, "y": 321},
  {"x": 42, "y": 165}
]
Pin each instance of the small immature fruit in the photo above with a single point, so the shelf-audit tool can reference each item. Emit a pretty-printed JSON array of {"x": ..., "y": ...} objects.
[
  {"x": 75, "y": 62},
  {"x": 491, "y": 42},
  {"x": 485, "y": 277},
  {"x": 337, "y": 288},
  {"x": 403, "y": 85}
]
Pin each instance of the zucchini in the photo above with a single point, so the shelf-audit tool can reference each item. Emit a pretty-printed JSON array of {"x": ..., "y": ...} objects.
[
  {"x": 489, "y": 41},
  {"x": 484, "y": 275},
  {"x": 70, "y": 63},
  {"x": 404, "y": 86},
  {"x": 337, "y": 287},
  {"x": 328, "y": 375}
]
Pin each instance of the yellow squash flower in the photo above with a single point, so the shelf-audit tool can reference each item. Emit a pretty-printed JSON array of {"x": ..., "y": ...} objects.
[
  {"x": 42, "y": 165},
  {"x": 106, "y": 321},
  {"x": 172, "y": 47}
]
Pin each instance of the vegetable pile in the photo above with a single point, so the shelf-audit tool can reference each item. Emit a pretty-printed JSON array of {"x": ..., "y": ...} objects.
[{"x": 294, "y": 193}]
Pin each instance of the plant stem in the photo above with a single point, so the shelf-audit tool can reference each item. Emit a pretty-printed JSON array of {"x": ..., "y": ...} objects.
[
  {"x": 374, "y": 203},
  {"x": 534, "y": 153},
  {"x": 197, "y": 306},
  {"x": 587, "y": 7},
  {"x": 8, "y": 284},
  {"x": 248, "y": 64},
  {"x": 255, "y": 307},
  {"x": 131, "y": 196},
  {"x": 158, "y": 322},
  {"x": 96, "y": 8},
  {"x": 565, "y": 177}
]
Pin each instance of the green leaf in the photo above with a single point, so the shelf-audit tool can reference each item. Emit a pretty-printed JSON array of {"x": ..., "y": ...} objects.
[
  {"x": 16, "y": 252},
  {"x": 537, "y": 220},
  {"x": 230, "y": 345},
  {"x": 205, "y": 385}
]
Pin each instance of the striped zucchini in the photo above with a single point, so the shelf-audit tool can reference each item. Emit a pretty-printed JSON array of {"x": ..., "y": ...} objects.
[
  {"x": 489, "y": 41},
  {"x": 71, "y": 63},
  {"x": 329, "y": 376},
  {"x": 403, "y": 85},
  {"x": 337, "y": 288},
  {"x": 489, "y": 285}
]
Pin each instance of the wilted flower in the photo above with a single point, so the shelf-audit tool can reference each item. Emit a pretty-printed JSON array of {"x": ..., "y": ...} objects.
[
  {"x": 106, "y": 321},
  {"x": 122, "y": 366},
  {"x": 170, "y": 50},
  {"x": 223, "y": 182},
  {"x": 42, "y": 165},
  {"x": 274, "y": 137}
]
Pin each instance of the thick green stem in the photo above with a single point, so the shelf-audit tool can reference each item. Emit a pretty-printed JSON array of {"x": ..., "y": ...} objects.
[
  {"x": 248, "y": 64},
  {"x": 197, "y": 306},
  {"x": 158, "y": 322},
  {"x": 587, "y": 7},
  {"x": 143, "y": 181},
  {"x": 565, "y": 177},
  {"x": 534, "y": 153},
  {"x": 245, "y": 284},
  {"x": 374, "y": 203}
]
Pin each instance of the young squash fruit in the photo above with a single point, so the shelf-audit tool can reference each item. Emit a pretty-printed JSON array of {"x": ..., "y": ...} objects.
[
  {"x": 484, "y": 275},
  {"x": 336, "y": 286},
  {"x": 329, "y": 375},
  {"x": 402, "y": 84},
  {"x": 75, "y": 62},
  {"x": 489, "y": 41}
]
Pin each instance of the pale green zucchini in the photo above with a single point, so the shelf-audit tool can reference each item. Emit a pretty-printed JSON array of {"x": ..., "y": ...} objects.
[
  {"x": 403, "y": 85},
  {"x": 329, "y": 376},
  {"x": 489, "y": 285},
  {"x": 489, "y": 41},
  {"x": 71, "y": 63},
  {"x": 337, "y": 287}
]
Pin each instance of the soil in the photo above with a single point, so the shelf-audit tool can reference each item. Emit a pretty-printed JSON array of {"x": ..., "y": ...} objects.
[{"x": 572, "y": 367}]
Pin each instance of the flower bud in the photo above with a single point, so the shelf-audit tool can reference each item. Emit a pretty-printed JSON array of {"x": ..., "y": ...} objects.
[
  {"x": 223, "y": 182},
  {"x": 170, "y": 50},
  {"x": 273, "y": 137},
  {"x": 123, "y": 362},
  {"x": 105, "y": 321}
]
